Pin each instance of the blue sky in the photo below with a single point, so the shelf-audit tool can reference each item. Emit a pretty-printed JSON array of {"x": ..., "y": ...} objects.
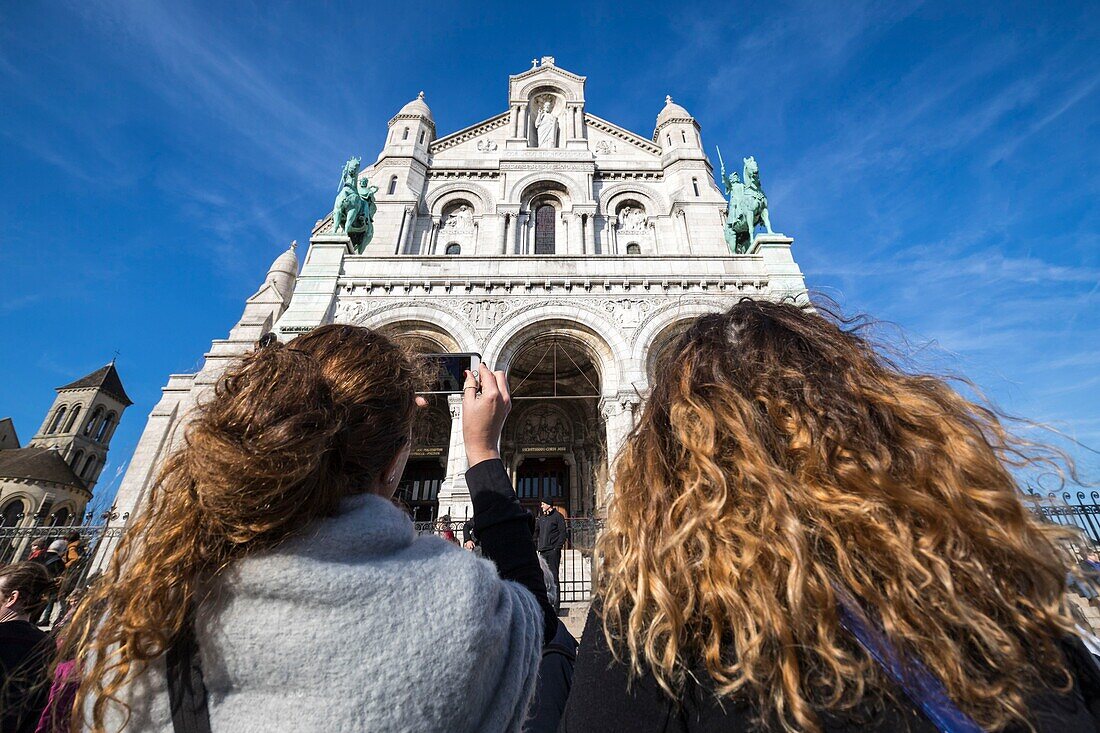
[{"x": 936, "y": 163}]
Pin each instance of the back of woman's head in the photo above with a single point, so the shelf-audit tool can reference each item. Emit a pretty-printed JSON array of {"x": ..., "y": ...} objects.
[
  {"x": 288, "y": 432},
  {"x": 780, "y": 456},
  {"x": 30, "y": 580}
]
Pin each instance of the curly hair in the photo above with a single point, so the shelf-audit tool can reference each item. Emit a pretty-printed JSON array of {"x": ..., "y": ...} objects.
[
  {"x": 781, "y": 456},
  {"x": 289, "y": 431}
]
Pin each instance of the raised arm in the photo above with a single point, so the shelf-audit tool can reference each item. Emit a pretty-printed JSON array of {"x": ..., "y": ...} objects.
[{"x": 501, "y": 524}]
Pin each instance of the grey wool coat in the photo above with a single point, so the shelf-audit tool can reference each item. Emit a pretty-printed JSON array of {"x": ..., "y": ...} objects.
[{"x": 359, "y": 625}]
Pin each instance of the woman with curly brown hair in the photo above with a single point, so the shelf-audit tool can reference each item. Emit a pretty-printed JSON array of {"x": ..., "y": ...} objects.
[
  {"x": 271, "y": 584},
  {"x": 805, "y": 537}
]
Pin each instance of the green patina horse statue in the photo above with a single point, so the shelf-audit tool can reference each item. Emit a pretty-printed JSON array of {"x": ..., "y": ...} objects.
[
  {"x": 748, "y": 207},
  {"x": 353, "y": 212}
]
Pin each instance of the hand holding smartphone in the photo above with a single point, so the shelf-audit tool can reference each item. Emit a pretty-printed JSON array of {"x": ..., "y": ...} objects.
[{"x": 450, "y": 371}]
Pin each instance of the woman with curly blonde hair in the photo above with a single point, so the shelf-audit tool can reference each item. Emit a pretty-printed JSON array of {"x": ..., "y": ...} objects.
[
  {"x": 805, "y": 537},
  {"x": 270, "y": 584}
]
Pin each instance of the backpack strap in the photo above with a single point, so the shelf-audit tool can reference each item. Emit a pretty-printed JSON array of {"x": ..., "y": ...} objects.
[
  {"x": 919, "y": 684},
  {"x": 186, "y": 689}
]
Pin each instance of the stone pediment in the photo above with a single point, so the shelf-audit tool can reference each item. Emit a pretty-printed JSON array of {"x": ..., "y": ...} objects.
[
  {"x": 548, "y": 73},
  {"x": 481, "y": 132},
  {"x": 618, "y": 138}
]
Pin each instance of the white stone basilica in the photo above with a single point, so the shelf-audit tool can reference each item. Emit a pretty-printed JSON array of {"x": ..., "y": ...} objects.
[{"x": 558, "y": 245}]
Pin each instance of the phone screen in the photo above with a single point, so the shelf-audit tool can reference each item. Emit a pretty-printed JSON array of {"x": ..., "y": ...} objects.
[{"x": 450, "y": 371}]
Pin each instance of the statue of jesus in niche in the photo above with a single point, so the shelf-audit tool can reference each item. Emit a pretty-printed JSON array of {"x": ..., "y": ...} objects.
[{"x": 546, "y": 127}]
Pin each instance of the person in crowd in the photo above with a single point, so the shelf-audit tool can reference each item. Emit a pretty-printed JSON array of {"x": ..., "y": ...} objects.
[
  {"x": 38, "y": 548},
  {"x": 805, "y": 537},
  {"x": 555, "y": 672},
  {"x": 74, "y": 550},
  {"x": 446, "y": 529},
  {"x": 270, "y": 583},
  {"x": 550, "y": 531},
  {"x": 53, "y": 559},
  {"x": 75, "y": 558},
  {"x": 25, "y": 651},
  {"x": 469, "y": 539}
]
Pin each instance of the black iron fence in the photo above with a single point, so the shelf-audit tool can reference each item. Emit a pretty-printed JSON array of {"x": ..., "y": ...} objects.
[
  {"x": 1075, "y": 511},
  {"x": 98, "y": 542},
  {"x": 575, "y": 574}
]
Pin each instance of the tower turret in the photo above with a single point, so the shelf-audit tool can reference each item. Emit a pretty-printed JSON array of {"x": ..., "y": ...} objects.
[
  {"x": 676, "y": 129},
  {"x": 283, "y": 273},
  {"x": 411, "y": 130}
]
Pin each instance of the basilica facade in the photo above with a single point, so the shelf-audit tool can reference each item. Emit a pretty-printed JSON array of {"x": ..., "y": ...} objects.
[{"x": 557, "y": 244}]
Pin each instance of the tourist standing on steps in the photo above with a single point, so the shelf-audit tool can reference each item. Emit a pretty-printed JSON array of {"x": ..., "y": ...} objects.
[
  {"x": 550, "y": 530},
  {"x": 53, "y": 559},
  {"x": 804, "y": 537},
  {"x": 25, "y": 650},
  {"x": 270, "y": 583}
]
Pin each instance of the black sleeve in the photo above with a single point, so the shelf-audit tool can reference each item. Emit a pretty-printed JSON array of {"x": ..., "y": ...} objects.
[
  {"x": 504, "y": 528},
  {"x": 467, "y": 531}
]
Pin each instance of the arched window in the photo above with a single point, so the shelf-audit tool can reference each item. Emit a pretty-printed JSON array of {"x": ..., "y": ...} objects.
[
  {"x": 544, "y": 230},
  {"x": 684, "y": 136},
  {"x": 393, "y": 186},
  {"x": 89, "y": 468},
  {"x": 58, "y": 418},
  {"x": 72, "y": 418},
  {"x": 10, "y": 516},
  {"x": 61, "y": 517},
  {"x": 405, "y": 135},
  {"x": 422, "y": 137},
  {"x": 669, "y": 138},
  {"x": 454, "y": 248},
  {"x": 76, "y": 460},
  {"x": 695, "y": 186},
  {"x": 93, "y": 420},
  {"x": 104, "y": 427},
  {"x": 633, "y": 248}
]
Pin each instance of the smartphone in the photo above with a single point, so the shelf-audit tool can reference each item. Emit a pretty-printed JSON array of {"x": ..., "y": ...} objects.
[{"x": 450, "y": 371}]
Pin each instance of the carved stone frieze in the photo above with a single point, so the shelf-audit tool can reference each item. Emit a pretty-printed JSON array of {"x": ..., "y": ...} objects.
[{"x": 628, "y": 312}]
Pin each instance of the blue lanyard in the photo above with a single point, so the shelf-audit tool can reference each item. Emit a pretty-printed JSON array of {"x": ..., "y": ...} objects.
[{"x": 919, "y": 684}]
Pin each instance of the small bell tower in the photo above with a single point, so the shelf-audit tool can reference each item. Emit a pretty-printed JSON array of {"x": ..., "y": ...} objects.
[{"x": 82, "y": 421}]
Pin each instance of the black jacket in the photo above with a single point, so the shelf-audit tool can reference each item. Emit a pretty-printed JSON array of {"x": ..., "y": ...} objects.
[
  {"x": 600, "y": 701},
  {"x": 26, "y": 653},
  {"x": 555, "y": 681},
  {"x": 504, "y": 528},
  {"x": 550, "y": 529}
]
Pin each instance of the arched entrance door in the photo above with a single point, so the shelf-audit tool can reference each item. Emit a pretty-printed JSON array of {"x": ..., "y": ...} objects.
[
  {"x": 418, "y": 489},
  {"x": 553, "y": 443}
]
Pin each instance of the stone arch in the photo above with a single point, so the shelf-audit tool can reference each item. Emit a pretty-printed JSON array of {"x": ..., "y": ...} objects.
[
  {"x": 450, "y": 331},
  {"x": 661, "y": 322},
  {"x": 25, "y": 499},
  {"x": 603, "y": 343},
  {"x": 652, "y": 200},
  {"x": 529, "y": 186},
  {"x": 565, "y": 91},
  {"x": 478, "y": 195}
]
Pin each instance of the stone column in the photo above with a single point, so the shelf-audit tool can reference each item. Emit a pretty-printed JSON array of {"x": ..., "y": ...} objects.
[
  {"x": 521, "y": 234},
  {"x": 410, "y": 225},
  {"x": 613, "y": 240},
  {"x": 454, "y": 495},
  {"x": 477, "y": 232},
  {"x": 575, "y": 244},
  {"x": 507, "y": 233},
  {"x": 681, "y": 218},
  {"x": 590, "y": 235},
  {"x": 651, "y": 225},
  {"x": 432, "y": 241}
]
